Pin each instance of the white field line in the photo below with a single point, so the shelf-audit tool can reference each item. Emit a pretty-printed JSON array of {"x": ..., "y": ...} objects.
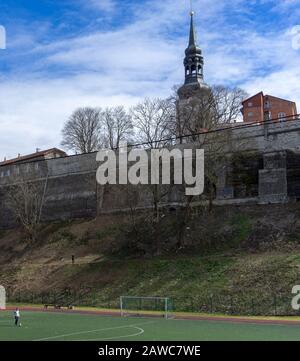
[
  {"x": 91, "y": 331},
  {"x": 141, "y": 331}
]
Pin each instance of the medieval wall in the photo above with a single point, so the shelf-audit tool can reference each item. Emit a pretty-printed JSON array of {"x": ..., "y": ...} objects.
[{"x": 267, "y": 169}]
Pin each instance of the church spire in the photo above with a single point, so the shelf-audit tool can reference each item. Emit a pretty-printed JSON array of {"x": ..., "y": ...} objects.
[
  {"x": 192, "y": 41},
  {"x": 193, "y": 62}
]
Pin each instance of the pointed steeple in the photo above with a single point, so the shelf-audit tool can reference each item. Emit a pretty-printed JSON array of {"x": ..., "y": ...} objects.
[
  {"x": 192, "y": 41},
  {"x": 193, "y": 62}
]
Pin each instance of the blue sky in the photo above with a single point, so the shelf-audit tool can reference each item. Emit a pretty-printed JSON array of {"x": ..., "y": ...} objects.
[{"x": 69, "y": 53}]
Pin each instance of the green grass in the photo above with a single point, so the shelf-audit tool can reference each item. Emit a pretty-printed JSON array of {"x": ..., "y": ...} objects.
[
  {"x": 234, "y": 261},
  {"x": 75, "y": 327},
  {"x": 240, "y": 284},
  {"x": 241, "y": 226}
]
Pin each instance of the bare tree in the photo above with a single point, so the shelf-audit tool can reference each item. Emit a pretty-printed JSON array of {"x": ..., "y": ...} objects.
[
  {"x": 152, "y": 119},
  {"x": 118, "y": 126},
  {"x": 206, "y": 110},
  {"x": 227, "y": 103},
  {"x": 82, "y": 132},
  {"x": 26, "y": 201},
  {"x": 205, "y": 120}
]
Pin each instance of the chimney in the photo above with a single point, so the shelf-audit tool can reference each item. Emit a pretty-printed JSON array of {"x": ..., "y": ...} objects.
[
  {"x": 37, "y": 150},
  {"x": 19, "y": 155}
]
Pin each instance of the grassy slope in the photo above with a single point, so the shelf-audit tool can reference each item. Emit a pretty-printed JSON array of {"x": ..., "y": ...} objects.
[{"x": 233, "y": 263}]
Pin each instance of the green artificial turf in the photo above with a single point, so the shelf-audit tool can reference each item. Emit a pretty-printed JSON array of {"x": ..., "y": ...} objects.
[{"x": 77, "y": 327}]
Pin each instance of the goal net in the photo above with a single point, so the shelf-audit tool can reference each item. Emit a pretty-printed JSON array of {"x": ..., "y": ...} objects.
[
  {"x": 2, "y": 298},
  {"x": 145, "y": 306}
]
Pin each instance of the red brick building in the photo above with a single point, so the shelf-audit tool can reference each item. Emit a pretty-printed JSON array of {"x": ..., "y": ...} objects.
[{"x": 262, "y": 107}]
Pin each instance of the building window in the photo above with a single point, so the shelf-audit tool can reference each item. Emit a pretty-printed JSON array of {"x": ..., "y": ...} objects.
[
  {"x": 250, "y": 114},
  {"x": 267, "y": 104},
  {"x": 282, "y": 116},
  {"x": 8, "y": 173},
  {"x": 250, "y": 104},
  {"x": 268, "y": 115},
  {"x": 36, "y": 166}
]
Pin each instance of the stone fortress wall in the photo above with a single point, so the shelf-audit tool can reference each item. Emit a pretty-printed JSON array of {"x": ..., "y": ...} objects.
[{"x": 268, "y": 171}]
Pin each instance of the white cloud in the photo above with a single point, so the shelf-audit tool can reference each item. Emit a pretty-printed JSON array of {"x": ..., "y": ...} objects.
[
  {"x": 143, "y": 58},
  {"x": 102, "y": 5},
  {"x": 37, "y": 119}
]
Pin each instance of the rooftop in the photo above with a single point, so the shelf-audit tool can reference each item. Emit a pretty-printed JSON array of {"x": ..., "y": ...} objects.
[{"x": 37, "y": 154}]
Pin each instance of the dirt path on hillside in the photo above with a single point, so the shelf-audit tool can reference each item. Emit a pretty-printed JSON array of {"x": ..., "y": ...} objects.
[{"x": 62, "y": 262}]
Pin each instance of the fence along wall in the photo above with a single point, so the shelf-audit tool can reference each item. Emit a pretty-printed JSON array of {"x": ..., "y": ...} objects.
[{"x": 271, "y": 156}]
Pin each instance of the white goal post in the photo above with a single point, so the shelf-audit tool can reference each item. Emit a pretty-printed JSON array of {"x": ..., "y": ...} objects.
[
  {"x": 2, "y": 298},
  {"x": 145, "y": 306}
]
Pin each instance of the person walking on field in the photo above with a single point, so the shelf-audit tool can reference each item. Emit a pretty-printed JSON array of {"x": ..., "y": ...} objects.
[{"x": 17, "y": 317}]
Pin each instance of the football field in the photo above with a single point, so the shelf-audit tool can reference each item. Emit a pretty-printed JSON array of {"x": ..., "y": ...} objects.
[{"x": 60, "y": 326}]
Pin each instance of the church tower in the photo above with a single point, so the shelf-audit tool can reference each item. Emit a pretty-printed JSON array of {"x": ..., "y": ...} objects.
[
  {"x": 193, "y": 66},
  {"x": 194, "y": 96}
]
